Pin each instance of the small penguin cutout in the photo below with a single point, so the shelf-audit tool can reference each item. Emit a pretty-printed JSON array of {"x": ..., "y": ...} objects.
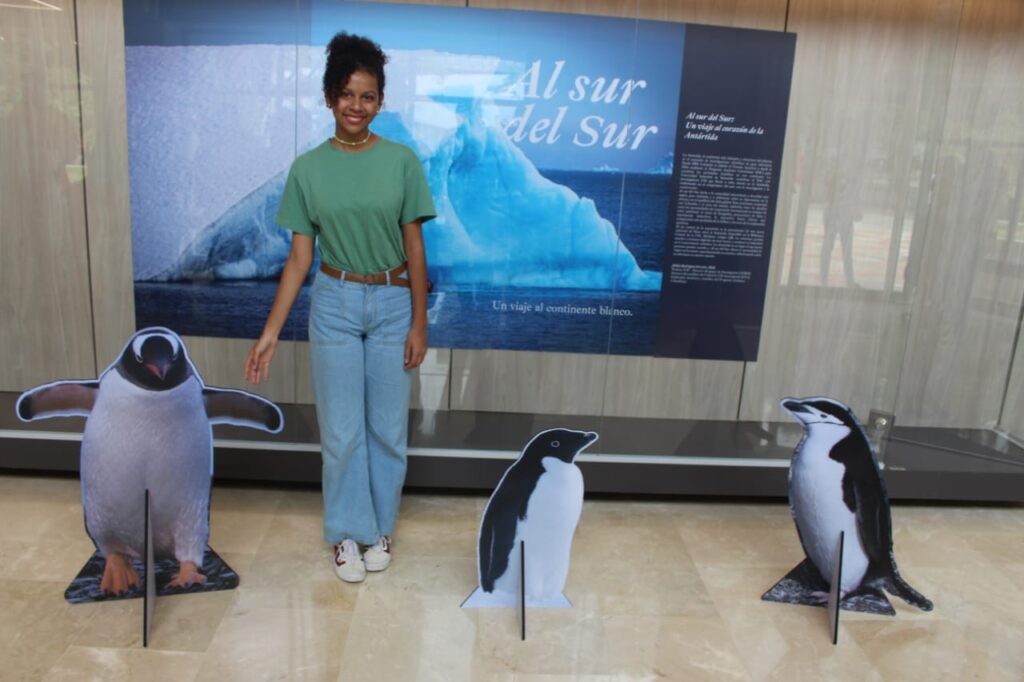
[
  {"x": 835, "y": 486},
  {"x": 148, "y": 425},
  {"x": 537, "y": 501}
]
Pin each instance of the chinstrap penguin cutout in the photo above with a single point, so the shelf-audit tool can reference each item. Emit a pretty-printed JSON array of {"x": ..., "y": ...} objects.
[
  {"x": 538, "y": 501},
  {"x": 835, "y": 485},
  {"x": 148, "y": 425}
]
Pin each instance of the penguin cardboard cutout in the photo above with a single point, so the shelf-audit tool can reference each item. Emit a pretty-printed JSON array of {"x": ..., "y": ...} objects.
[
  {"x": 835, "y": 486},
  {"x": 538, "y": 502},
  {"x": 148, "y": 425}
]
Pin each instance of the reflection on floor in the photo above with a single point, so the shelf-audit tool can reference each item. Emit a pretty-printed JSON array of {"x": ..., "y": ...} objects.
[{"x": 662, "y": 590}]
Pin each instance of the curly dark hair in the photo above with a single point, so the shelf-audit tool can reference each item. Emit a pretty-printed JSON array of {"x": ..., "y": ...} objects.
[{"x": 347, "y": 53}]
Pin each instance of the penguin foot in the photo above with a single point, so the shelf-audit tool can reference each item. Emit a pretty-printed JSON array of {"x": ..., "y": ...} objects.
[
  {"x": 119, "y": 575},
  {"x": 188, "y": 574},
  {"x": 821, "y": 597}
]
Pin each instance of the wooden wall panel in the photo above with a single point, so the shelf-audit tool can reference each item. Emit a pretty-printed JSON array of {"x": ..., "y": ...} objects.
[
  {"x": 449, "y": 3},
  {"x": 523, "y": 381},
  {"x": 970, "y": 279},
  {"x": 104, "y": 125},
  {"x": 765, "y": 14},
  {"x": 303, "y": 374},
  {"x": 46, "y": 332},
  {"x": 429, "y": 386},
  {"x": 664, "y": 388},
  {"x": 221, "y": 362},
  {"x": 1013, "y": 409},
  {"x": 610, "y": 8},
  {"x": 866, "y": 108}
]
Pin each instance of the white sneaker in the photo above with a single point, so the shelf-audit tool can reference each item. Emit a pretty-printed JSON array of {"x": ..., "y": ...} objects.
[
  {"x": 378, "y": 556},
  {"x": 348, "y": 563}
]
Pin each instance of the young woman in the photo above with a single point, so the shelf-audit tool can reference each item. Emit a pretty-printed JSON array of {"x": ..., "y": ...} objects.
[{"x": 363, "y": 199}]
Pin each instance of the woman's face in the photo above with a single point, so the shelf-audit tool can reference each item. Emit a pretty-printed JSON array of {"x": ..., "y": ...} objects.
[{"x": 356, "y": 106}]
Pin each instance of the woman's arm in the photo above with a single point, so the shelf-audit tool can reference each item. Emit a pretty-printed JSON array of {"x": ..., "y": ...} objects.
[
  {"x": 300, "y": 258},
  {"x": 415, "y": 254}
]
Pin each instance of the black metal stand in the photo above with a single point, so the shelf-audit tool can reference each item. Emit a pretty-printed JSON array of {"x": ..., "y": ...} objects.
[
  {"x": 148, "y": 575},
  {"x": 833, "y": 594},
  {"x": 522, "y": 590}
]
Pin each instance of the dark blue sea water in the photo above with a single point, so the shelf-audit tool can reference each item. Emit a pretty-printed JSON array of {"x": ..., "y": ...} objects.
[
  {"x": 570, "y": 320},
  {"x": 644, "y": 201}
]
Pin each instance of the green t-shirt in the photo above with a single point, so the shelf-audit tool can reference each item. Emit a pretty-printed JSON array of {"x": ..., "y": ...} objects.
[{"x": 355, "y": 203}]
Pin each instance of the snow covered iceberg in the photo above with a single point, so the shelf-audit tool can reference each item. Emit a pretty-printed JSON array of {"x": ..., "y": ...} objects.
[{"x": 501, "y": 223}]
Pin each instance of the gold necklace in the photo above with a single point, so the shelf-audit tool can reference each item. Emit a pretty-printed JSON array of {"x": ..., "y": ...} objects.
[{"x": 353, "y": 144}]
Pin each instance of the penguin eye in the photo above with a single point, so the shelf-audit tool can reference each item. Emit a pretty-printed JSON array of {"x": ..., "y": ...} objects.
[
  {"x": 175, "y": 346},
  {"x": 555, "y": 443},
  {"x": 138, "y": 343}
]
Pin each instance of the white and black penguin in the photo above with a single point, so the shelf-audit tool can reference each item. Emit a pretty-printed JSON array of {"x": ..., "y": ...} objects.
[
  {"x": 835, "y": 485},
  {"x": 537, "y": 501},
  {"x": 148, "y": 425}
]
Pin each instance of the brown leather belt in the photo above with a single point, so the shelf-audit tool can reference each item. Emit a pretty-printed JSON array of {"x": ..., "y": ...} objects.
[{"x": 391, "y": 277}]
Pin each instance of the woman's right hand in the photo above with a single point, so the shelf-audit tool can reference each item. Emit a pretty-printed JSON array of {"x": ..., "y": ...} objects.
[
  {"x": 257, "y": 364},
  {"x": 296, "y": 267}
]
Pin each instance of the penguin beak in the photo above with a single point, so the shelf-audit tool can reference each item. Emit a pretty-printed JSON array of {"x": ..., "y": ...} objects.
[
  {"x": 797, "y": 409},
  {"x": 794, "y": 406},
  {"x": 159, "y": 370},
  {"x": 588, "y": 438}
]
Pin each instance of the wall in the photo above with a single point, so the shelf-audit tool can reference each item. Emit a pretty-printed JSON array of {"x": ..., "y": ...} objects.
[{"x": 903, "y": 146}]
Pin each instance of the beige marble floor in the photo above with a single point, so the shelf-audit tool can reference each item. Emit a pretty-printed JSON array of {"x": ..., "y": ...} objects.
[{"x": 662, "y": 590}]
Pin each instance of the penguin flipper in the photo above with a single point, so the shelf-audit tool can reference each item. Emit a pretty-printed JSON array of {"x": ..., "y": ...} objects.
[
  {"x": 241, "y": 408},
  {"x": 497, "y": 537},
  {"x": 498, "y": 531},
  {"x": 59, "y": 399}
]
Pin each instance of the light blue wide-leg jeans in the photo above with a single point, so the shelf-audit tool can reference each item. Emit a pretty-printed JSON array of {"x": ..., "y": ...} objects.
[{"x": 357, "y": 336}]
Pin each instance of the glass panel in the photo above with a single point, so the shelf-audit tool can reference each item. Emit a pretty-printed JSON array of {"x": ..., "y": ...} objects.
[
  {"x": 856, "y": 159},
  {"x": 959, "y": 378},
  {"x": 895, "y": 283},
  {"x": 836, "y": 309},
  {"x": 211, "y": 132}
]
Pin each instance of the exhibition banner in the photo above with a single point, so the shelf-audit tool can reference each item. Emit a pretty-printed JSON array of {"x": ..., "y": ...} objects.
[{"x": 586, "y": 202}]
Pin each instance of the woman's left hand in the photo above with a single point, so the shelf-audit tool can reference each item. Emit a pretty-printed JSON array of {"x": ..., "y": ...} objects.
[{"x": 415, "y": 347}]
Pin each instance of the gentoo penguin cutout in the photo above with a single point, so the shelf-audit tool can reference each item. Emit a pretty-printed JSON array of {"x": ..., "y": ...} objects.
[
  {"x": 835, "y": 485},
  {"x": 538, "y": 501},
  {"x": 148, "y": 425}
]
